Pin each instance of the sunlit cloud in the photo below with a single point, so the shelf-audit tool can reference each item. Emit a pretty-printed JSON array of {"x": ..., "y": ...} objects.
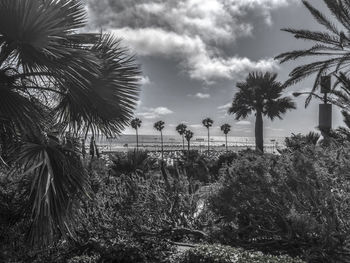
[
  {"x": 194, "y": 32},
  {"x": 243, "y": 123},
  {"x": 153, "y": 113}
]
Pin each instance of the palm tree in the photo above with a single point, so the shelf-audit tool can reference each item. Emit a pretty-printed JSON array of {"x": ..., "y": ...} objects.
[
  {"x": 260, "y": 93},
  {"x": 330, "y": 47},
  {"x": 159, "y": 126},
  {"x": 225, "y": 128},
  {"x": 136, "y": 124},
  {"x": 53, "y": 79},
  {"x": 181, "y": 128},
  {"x": 207, "y": 122},
  {"x": 188, "y": 136}
]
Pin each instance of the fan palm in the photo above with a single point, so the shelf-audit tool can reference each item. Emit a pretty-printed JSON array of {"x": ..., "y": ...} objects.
[
  {"x": 330, "y": 47},
  {"x": 188, "y": 136},
  {"x": 181, "y": 128},
  {"x": 225, "y": 128},
  {"x": 260, "y": 93},
  {"x": 159, "y": 126},
  {"x": 207, "y": 122},
  {"x": 136, "y": 124},
  {"x": 54, "y": 79}
]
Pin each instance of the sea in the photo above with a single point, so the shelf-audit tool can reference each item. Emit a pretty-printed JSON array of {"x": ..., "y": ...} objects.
[{"x": 172, "y": 143}]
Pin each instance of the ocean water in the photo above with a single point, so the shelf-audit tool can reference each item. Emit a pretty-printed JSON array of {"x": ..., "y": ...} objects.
[{"x": 153, "y": 142}]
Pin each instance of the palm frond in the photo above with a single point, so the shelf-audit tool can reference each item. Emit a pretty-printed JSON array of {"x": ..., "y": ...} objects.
[
  {"x": 321, "y": 18},
  {"x": 25, "y": 115},
  {"x": 313, "y": 51},
  {"x": 275, "y": 108},
  {"x": 107, "y": 100},
  {"x": 57, "y": 177},
  {"x": 322, "y": 37},
  {"x": 340, "y": 12},
  {"x": 38, "y": 32},
  {"x": 260, "y": 92}
]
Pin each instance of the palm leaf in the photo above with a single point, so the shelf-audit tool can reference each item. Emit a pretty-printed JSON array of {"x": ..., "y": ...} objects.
[
  {"x": 321, "y": 18},
  {"x": 57, "y": 177},
  {"x": 107, "y": 100}
]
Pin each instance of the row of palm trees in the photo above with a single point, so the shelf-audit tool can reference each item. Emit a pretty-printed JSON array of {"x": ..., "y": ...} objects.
[
  {"x": 182, "y": 130},
  {"x": 259, "y": 94}
]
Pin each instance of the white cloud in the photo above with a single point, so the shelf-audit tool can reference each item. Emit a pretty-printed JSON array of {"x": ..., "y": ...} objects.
[
  {"x": 193, "y": 32},
  {"x": 198, "y": 59},
  {"x": 243, "y": 123},
  {"x": 196, "y": 126},
  {"x": 144, "y": 80},
  {"x": 153, "y": 113},
  {"x": 225, "y": 107},
  {"x": 274, "y": 129},
  {"x": 201, "y": 95}
]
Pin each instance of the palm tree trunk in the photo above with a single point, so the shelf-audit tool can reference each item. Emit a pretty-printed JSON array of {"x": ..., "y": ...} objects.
[
  {"x": 208, "y": 142},
  {"x": 161, "y": 141},
  {"x": 183, "y": 142},
  {"x": 226, "y": 141},
  {"x": 137, "y": 140},
  {"x": 259, "y": 135},
  {"x": 188, "y": 149}
]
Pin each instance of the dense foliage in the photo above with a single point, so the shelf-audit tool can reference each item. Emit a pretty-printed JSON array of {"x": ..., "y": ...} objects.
[
  {"x": 297, "y": 203},
  {"x": 226, "y": 254}
]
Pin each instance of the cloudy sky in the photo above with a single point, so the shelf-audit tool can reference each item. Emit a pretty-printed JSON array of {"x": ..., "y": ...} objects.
[{"x": 193, "y": 52}]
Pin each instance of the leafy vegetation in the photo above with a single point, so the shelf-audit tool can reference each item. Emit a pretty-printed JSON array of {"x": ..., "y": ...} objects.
[
  {"x": 226, "y": 254},
  {"x": 296, "y": 203}
]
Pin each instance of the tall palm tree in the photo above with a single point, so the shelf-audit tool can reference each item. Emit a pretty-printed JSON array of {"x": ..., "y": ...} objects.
[
  {"x": 225, "y": 128},
  {"x": 207, "y": 122},
  {"x": 136, "y": 124},
  {"x": 181, "y": 128},
  {"x": 260, "y": 93},
  {"x": 159, "y": 126},
  {"x": 188, "y": 136},
  {"x": 330, "y": 47},
  {"x": 55, "y": 79}
]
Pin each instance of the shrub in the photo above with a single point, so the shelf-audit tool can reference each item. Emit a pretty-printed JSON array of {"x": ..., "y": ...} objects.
[
  {"x": 226, "y": 254},
  {"x": 131, "y": 162},
  {"x": 296, "y": 203}
]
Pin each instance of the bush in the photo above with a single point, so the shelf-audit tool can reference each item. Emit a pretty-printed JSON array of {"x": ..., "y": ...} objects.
[
  {"x": 296, "y": 203},
  {"x": 131, "y": 162},
  {"x": 226, "y": 254}
]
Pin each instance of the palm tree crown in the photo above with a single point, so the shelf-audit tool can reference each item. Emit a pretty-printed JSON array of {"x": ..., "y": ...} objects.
[
  {"x": 136, "y": 123},
  {"x": 188, "y": 135},
  {"x": 330, "y": 47},
  {"x": 181, "y": 128},
  {"x": 260, "y": 93},
  {"x": 207, "y": 122},
  {"x": 159, "y": 125},
  {"x": 225, "y": 128}
]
